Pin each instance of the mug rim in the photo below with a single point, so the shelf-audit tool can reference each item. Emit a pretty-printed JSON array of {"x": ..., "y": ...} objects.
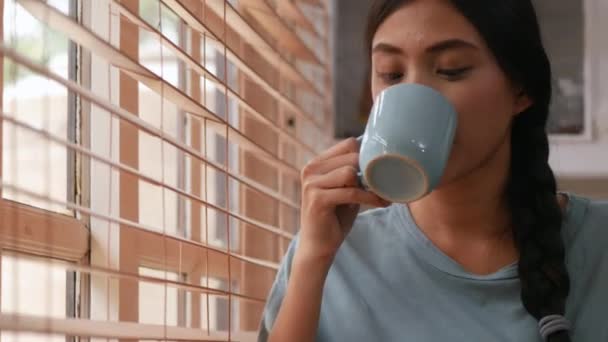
[{"x": 408, "y": 160}]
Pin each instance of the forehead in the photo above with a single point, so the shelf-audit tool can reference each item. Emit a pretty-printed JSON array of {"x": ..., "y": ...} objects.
[{"x": 421, "y": 23}]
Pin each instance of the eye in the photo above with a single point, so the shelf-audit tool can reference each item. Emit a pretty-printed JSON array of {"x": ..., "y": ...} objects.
[
  {"x": 454, "y": 74},
  {"x": 391, "y": 77}
]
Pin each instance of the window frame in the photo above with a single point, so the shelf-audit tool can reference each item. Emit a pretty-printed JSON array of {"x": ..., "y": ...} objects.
[{"x": 28, "y": 230}]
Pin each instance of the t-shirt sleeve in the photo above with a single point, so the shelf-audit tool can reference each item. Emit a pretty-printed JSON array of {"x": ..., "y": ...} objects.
[
  {"x": 277, "y": 292},
  {"x": 588, "y": 267},
  {"x": 593, "y": 234}
]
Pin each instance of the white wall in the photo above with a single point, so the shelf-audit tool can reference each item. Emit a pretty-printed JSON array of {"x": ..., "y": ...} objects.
[{"x": 589, "y": 158}]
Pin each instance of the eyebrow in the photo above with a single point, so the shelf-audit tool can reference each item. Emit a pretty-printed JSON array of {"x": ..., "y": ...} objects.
[
  {"x": 449, "y": 44},
  {"x": 387, "y": 49}
]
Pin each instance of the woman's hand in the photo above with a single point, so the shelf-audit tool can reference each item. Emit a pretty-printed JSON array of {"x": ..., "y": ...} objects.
[{"x": 331, "y": 197}]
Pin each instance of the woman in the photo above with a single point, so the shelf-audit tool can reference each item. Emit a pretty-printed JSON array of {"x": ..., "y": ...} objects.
[{"x": 494, "y": 253}]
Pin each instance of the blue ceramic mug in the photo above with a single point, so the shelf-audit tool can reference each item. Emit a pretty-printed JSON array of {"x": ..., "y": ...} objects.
[{"x": 407, "y": 142}]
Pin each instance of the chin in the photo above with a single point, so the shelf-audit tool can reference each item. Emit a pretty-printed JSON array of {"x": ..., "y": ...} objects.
[{"x": 456, "y": 170}]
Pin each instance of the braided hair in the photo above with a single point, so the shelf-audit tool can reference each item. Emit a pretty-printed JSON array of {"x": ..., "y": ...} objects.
[{"x": 510, "y": 29}]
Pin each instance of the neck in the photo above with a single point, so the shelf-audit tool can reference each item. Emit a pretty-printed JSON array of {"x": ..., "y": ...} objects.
[
  {"x": 469, "y": 219},
  {"x": 471, "y": 208}
]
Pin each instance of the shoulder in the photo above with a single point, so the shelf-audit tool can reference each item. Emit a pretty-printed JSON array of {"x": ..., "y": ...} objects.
[
  {"x": 585, "y": 217},
  {"x": 372, "y": 234},
  {"x": 585, "y": 230},
  {"x": 597, "y": 211},
  {"x": 585, "y": 236},
  {"x": 365, "y": 229},
  {"x": 373, "y": 216},
  {"x": 363, "y": 237}
]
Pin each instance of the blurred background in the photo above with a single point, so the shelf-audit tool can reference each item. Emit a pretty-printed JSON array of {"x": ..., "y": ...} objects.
[
  {"x": 574, "y": 37},
  {"x": 150, "y": 152}
]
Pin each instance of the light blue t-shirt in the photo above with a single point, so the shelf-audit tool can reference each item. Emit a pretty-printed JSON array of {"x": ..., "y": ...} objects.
[{"x": 389, "y": 282}]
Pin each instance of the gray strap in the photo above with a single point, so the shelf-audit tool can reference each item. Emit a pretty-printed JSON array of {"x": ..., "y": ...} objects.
[{"x": 552, "y": 324}]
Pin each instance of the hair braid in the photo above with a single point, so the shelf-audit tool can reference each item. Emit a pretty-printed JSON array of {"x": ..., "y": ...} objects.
[{"x": 537, "y": 218}]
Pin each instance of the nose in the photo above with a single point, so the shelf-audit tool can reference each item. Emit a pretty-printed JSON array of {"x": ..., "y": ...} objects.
[
  {"x": 421, "y": 74},
  {"x": 417, "y": 75}
]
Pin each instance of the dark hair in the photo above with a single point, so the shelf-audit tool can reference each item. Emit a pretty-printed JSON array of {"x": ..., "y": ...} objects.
[{"x": 510, "y": 29}]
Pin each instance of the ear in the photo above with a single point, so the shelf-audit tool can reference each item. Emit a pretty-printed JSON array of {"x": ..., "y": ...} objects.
[{"x": 522, "y": 102}]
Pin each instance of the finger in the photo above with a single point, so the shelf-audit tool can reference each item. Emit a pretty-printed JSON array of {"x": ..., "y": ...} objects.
[
  {"x": 342, "y": 177},
  {"x": 328, "y": 198},
  {"x": 332, "y": 163},
  {"x": 346, "y": 146}
]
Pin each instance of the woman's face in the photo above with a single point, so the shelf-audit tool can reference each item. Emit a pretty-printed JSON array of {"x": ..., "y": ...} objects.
[{"x": 429, "y": 42}]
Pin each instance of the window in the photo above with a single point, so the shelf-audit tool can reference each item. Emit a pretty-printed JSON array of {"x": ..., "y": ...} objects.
[
  {"x": 159, "y": 304},
  {"x": 43, "y": 105},
  {"x": 178, "y": 149},
  {"x": 32, "y": 286},
  {"x": 37, "y": 175}
]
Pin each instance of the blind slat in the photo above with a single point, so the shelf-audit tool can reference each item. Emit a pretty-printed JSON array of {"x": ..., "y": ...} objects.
[
  {"x": 88, "y": 39},
  {"x": 235, "y": 21},
  {"x": 129, "y": 223},
  {"x": 115, "y": 274},
  {"x": 202, "y": 71},
  {"x": 140, "y": 278},
  {"x": 130, "y": 170},
  {"x": 119, "y": 330},
  {"x": 290, "y": 9},
  {"x": 138, "y": 122},
  {"x": 243, "y": 65},
  {"x": 276, "y": 26}
]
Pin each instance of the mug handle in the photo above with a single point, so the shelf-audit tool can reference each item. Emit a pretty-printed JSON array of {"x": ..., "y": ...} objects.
[
  {"x": 361, "y": 180},
  {"x": 362, "y": 183}
]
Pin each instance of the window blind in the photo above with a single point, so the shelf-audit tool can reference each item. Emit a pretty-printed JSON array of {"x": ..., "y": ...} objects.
[{"x": 150, "y": 162}]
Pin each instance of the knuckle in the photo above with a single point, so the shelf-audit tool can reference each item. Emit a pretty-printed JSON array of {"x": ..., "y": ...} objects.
[
  {"x": 353, "y": 193},
  {"x": 307, "y": 187},
  {"x": 307, "y": 170},
  {"x": 315, "y": 160},
  {"x": 349, "y": 174},
  {"x": 315, "y": 199},
  {"x": 352, "y": 144}
]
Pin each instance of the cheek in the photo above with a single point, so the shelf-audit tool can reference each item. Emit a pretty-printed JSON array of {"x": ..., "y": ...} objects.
[
  {"x": 485, "y": 110},
  {"x": 376, "y": 87},
  {"x": 485, "y": 105}
]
